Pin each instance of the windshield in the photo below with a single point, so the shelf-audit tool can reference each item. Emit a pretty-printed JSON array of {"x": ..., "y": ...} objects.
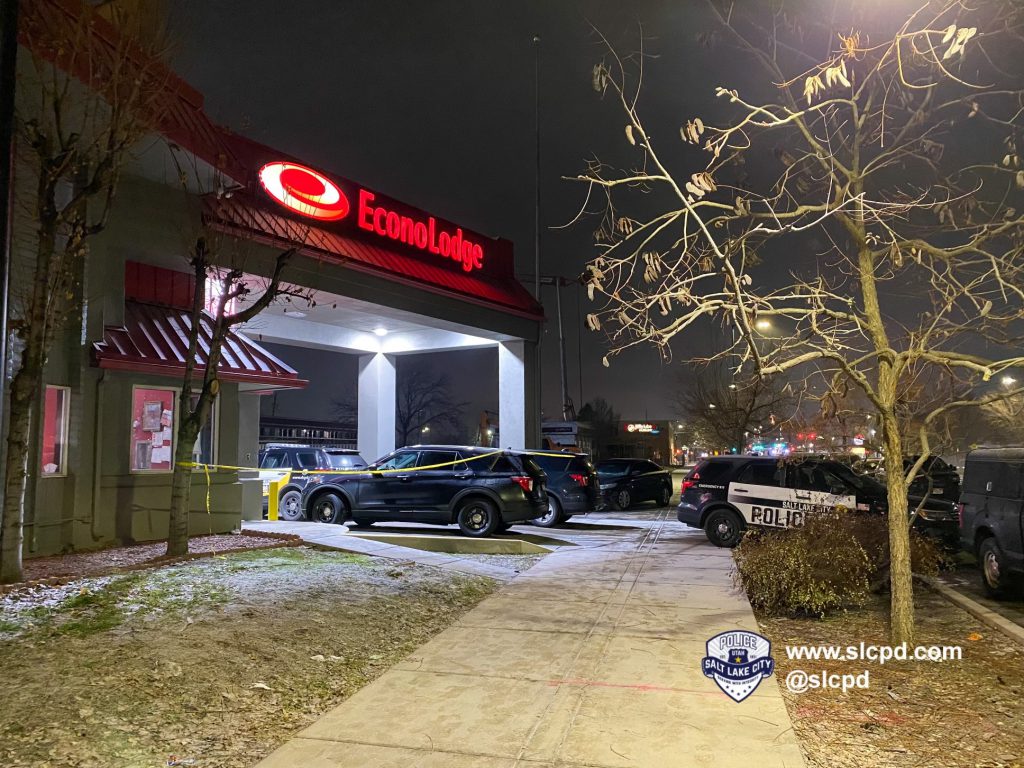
[{"x": 859, "y": 482}]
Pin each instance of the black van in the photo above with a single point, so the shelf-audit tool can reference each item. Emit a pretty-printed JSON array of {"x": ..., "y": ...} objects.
[{"x": 991, "y": 524}]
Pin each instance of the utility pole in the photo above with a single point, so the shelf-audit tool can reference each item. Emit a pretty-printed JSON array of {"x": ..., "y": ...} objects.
[
  {"x": 539, "y": 376},
  {"x": 8, "y": 78}
]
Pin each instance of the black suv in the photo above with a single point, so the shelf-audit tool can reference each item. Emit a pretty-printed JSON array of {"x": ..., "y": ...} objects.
[
  {"x": 625, "y": 482},
  {"x": 286, "y": 461},
  {"x": 572, "y": 486},
  {"x": 726, "y": 494},
  {"x": 992, "y": 515},
  {"x": 481, "y": 490}
]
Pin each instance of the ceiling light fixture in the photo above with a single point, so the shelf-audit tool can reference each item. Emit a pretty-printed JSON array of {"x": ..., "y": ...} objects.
[{"x": 381, "y": 331}]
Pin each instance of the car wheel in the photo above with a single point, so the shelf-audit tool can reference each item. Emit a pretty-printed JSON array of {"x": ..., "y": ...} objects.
[
  {"x": 328, "y": 508},
  {"x": 478, "y": 518},
  {"x": 623, "y": 500},
  {"x": 552, "y": 517},
  {"x": 992, "y": 562},
  {"x": 290, "y": 506},
  {"x": 724, "y": 528},
  {"x": 665, "y": 496}
]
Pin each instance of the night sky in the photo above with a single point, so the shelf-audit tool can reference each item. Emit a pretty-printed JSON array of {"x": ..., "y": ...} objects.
[{"x": 433, "y": 103}]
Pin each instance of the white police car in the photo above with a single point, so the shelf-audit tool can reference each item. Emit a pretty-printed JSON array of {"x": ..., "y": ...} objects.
[{"x": 725, "y": 495}]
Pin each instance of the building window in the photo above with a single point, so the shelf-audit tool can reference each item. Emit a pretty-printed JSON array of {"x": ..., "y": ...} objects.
[
  {"x": 205, "y": 449},
  {"x": 55, "y": 431},
  {"x": 153, "y": 421}
]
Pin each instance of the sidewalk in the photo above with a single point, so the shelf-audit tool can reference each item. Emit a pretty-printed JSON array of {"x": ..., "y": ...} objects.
[{"x": 590, "y": 658}]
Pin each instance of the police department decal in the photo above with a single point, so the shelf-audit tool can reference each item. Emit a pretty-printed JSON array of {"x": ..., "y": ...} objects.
[{"x": 738, "y": 661}]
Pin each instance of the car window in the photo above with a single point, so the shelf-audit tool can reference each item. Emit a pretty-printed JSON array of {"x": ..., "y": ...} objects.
[
  {"x": 346, "y": 460},
  {"x": 580, "y": 464},
  {"x": 813, "y": 477},
  {"x": 648, "y": 466},
  {"x": 613, "y": 468},
  {"x": 1005, "y": 478},
  {"x": 401, "y": 460},
  {"x": 553, "y": 465},
  {"x": 276, "y": 460},
  {"x": 760, "y": 473},
  {"x": 503, "y": 464},
  {"x": 306, "y": 459},
  {"x": 432, "y": 458},
  {"x": 711, "y": 471}
]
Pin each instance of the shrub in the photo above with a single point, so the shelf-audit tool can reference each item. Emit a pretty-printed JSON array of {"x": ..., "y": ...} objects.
[
  {"x": 814, "y": 570},
  {"x": 872, "y": 531}
]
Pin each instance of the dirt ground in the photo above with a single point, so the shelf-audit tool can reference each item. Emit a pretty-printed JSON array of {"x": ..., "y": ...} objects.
[
  {"x": 967, "y": 713},
  {"x": 213, "y": 662}
]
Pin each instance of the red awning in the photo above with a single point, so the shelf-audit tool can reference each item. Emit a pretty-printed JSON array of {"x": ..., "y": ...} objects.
[
  {"x": 154, "y": 339},
  {"x": 244, "y": 217}
]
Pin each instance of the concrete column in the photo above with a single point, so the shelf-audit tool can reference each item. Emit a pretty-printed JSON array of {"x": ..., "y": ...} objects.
[
  {"x": 518, "y": 415},
  {"x": 376, "y": 405}
]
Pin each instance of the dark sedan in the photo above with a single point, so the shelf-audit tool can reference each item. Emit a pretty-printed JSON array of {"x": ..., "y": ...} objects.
[
  {"x": 481, "y": 490},
  {"x": 625, "y": 482}
]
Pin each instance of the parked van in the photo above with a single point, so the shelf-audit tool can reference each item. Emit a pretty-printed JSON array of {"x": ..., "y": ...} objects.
[{"x": 990, "y": 514}]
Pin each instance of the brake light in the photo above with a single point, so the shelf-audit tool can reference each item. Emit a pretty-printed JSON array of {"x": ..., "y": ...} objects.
[
  {"x": 526, "y": 483},
  {"x": 690, "y": 482},
  {"x": 580, "y": 480}
]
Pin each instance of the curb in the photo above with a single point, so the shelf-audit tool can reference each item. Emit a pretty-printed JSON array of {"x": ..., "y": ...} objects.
[{"x": 977, "y": 610}]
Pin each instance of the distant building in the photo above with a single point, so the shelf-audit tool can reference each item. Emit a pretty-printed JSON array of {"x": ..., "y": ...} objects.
[{"x": 275, "y": 429}]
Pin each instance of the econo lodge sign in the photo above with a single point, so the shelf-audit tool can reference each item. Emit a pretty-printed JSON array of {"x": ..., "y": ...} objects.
[{"x": 311, "y": 194}]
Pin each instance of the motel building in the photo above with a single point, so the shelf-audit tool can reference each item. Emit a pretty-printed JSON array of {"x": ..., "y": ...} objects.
[{"x": 389, "y": 279}]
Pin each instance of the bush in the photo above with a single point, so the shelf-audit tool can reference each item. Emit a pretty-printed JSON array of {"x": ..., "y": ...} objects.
[
  {"x": 926, "y": 554},
  {"x": 814, "y": 570},
  {"x": 830, "y": 564}
]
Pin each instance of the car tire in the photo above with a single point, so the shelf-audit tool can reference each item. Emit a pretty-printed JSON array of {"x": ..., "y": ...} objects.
[
  {"x": 665, "y": 496},
  {"x": 724, "y": 528},
  {"x": 623, "y": 499},
  {"x": 327, "y": 508},
  {"x": 478, "y": 518},
  {"x": 553, "y": 516},
  {"x": 992, "y": 564},
  {"x": 289, "y": 507}
]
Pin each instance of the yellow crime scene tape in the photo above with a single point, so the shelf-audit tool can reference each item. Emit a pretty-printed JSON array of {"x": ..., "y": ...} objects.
[{"x": 272, "y": 505}]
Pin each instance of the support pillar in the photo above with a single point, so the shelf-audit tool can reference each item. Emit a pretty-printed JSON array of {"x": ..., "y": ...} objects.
[
  {"x": 376, "y": 406},
  {"x": 518, "y": 414}
]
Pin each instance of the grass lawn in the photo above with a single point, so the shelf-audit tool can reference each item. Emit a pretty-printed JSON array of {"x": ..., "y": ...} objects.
[{"x": 217, "y": 660}]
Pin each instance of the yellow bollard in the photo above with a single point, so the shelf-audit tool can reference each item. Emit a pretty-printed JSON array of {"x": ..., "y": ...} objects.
[{"x": 273, "y": 497}]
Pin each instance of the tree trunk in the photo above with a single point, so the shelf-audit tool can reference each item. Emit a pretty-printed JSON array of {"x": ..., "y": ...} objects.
[
  {"x": 901, "y": 579},
  {"x": 24, "y": 386},
  {"x": 181, "y": 488}
]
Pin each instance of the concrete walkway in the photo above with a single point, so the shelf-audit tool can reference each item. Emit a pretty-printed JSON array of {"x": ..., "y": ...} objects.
[{"x": 590, "y": 658}]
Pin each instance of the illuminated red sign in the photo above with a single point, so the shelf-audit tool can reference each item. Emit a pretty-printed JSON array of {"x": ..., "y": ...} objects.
[
  {"x": 304, "y": 191},
  {"x": 310, "y": 193},
  {"x": 424, "y": 235}
]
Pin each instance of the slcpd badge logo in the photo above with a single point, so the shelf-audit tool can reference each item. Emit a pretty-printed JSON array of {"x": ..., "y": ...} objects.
[
  {"x": 738, "y": 661},
  {"x": 304, "y": 191}
]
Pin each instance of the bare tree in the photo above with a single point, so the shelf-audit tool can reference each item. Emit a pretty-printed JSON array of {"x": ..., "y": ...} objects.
[
  {"x": 425, "y": 401},
  {"x": 210, "y": 328},
  {"x": 725, "y": 411},
  {"x": 84, "y": 96},
  {"x": 889, "y": 155},
  {"x": 604, "y": 423}
]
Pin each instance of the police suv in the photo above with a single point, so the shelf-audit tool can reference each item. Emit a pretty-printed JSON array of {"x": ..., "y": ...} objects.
[{"x": 725, "y": 495}]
